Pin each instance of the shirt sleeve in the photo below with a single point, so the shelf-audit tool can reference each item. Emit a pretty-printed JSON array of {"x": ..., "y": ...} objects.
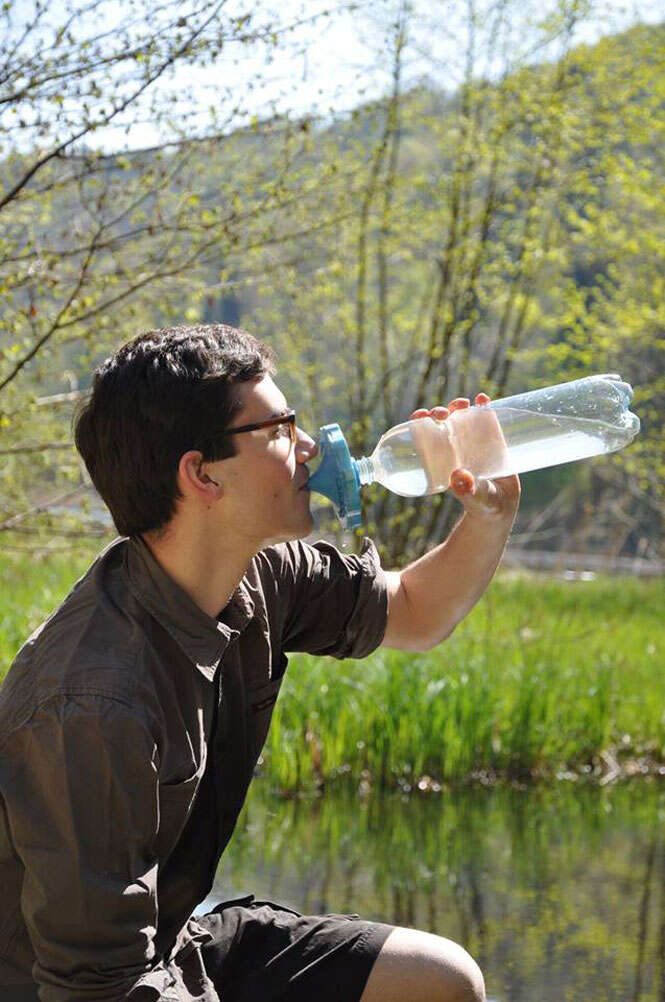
[
  {"x": 329, "y": 602},
  {"x": 80, "y": 786}
]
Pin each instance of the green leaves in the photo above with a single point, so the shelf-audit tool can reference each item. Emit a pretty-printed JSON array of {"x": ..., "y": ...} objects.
[{"x": 423, "y": 245}]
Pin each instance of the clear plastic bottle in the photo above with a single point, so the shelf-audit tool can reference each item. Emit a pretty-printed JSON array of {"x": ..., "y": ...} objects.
[{"x": 557, "y": 424}]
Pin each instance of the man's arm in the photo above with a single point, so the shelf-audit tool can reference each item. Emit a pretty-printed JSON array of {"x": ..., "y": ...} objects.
[
  {"x": 428, "y": 599},
  {"x": 323, "y": 601}
]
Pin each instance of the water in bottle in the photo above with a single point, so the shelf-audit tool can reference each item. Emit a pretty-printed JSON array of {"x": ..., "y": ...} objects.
[{"x": 541, "y": 428}]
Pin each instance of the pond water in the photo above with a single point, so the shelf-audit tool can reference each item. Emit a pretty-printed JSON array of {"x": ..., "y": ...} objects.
[{"x": 558, "y": 894}]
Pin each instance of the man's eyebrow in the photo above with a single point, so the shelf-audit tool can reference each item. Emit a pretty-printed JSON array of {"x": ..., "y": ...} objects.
[{"x": 281, "y": 413}]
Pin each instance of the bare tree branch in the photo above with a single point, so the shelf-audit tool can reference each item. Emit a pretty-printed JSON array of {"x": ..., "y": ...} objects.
[
  {"x": 106, "y": 119},
  {"x": 16, "y": 450},
  {"x": 14, "y": 520}
]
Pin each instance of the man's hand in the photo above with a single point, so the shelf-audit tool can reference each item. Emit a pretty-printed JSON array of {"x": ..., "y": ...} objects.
[{"x": 498, "y": 498}]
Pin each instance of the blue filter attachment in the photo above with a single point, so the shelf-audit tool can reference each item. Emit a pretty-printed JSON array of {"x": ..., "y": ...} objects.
[{"x": 337, "y": 476}]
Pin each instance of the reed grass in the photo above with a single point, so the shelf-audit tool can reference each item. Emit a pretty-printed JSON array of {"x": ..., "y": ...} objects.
[{"x": 541, "y": 678}]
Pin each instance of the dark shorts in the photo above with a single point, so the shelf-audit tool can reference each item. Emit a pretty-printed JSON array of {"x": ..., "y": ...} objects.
[{"x": 266, "y": 952}]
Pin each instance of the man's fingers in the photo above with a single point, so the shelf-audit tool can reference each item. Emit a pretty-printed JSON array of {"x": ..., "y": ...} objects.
[
  {"x": 440, "y": 413},
  {"x": 462, "y": 482}
]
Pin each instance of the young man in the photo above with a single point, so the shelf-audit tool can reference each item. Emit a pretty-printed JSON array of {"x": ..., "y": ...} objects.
[{"x": 132, "y": 719}]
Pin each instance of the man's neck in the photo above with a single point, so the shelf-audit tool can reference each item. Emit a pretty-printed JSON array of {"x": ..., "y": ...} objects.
[{"x": 206, "y": 567}]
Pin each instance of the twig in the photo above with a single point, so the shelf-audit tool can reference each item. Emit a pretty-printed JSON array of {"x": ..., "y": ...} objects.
[
  {"x": 61, "y": 499},
  {"x": 18, "y": 449}
]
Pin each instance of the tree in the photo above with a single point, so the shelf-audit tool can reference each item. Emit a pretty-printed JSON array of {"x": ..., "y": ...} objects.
[
  {"x": 461, "y": 268},
  {"x": 499, "y": 233},
  {"x": 101, "y": 234}
]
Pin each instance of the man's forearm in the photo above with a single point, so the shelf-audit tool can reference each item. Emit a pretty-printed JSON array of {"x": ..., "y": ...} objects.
[{"x": 444, "y": 585}]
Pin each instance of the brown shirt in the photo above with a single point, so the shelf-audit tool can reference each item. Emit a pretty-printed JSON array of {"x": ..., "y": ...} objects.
[{"x": 130, "y": 726}]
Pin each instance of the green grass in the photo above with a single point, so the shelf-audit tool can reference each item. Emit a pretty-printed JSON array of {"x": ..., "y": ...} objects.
[
  {"x": 32, "y": 588},
  {"x": 542, "y": 677}
]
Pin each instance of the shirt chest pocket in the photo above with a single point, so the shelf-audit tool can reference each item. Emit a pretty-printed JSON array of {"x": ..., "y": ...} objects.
[{"x": 175, "y": 806}]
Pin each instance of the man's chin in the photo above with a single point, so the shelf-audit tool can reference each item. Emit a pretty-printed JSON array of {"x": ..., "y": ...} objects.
[{"x": 299, "y": 531}]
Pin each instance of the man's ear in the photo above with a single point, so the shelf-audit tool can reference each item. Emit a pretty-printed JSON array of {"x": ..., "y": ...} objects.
[{"x": 193, "y": 479}]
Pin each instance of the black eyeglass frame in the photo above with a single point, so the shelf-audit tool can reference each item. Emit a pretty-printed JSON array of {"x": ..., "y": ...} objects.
[{"x": 288, "y": 418}]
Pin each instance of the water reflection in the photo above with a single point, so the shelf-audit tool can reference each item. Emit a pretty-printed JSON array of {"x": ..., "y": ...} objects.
[{"x": 559, "y": 894}]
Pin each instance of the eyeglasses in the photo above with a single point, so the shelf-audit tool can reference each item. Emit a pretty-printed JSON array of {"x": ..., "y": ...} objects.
[{"x": 288, "y": 419}]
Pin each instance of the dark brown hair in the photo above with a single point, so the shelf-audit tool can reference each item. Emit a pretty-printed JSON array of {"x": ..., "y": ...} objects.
[{"x": 159, "y": 395}]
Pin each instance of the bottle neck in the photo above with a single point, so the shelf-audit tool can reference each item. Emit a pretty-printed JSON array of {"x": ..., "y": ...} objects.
[{"x": 365, "y": 470}]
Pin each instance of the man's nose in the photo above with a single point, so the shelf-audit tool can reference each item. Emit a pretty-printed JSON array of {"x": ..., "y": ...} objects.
[{"x": 306, "y": 447}]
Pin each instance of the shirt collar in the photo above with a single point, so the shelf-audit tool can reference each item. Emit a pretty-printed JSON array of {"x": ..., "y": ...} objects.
[{"x": 202, "y": 639}]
